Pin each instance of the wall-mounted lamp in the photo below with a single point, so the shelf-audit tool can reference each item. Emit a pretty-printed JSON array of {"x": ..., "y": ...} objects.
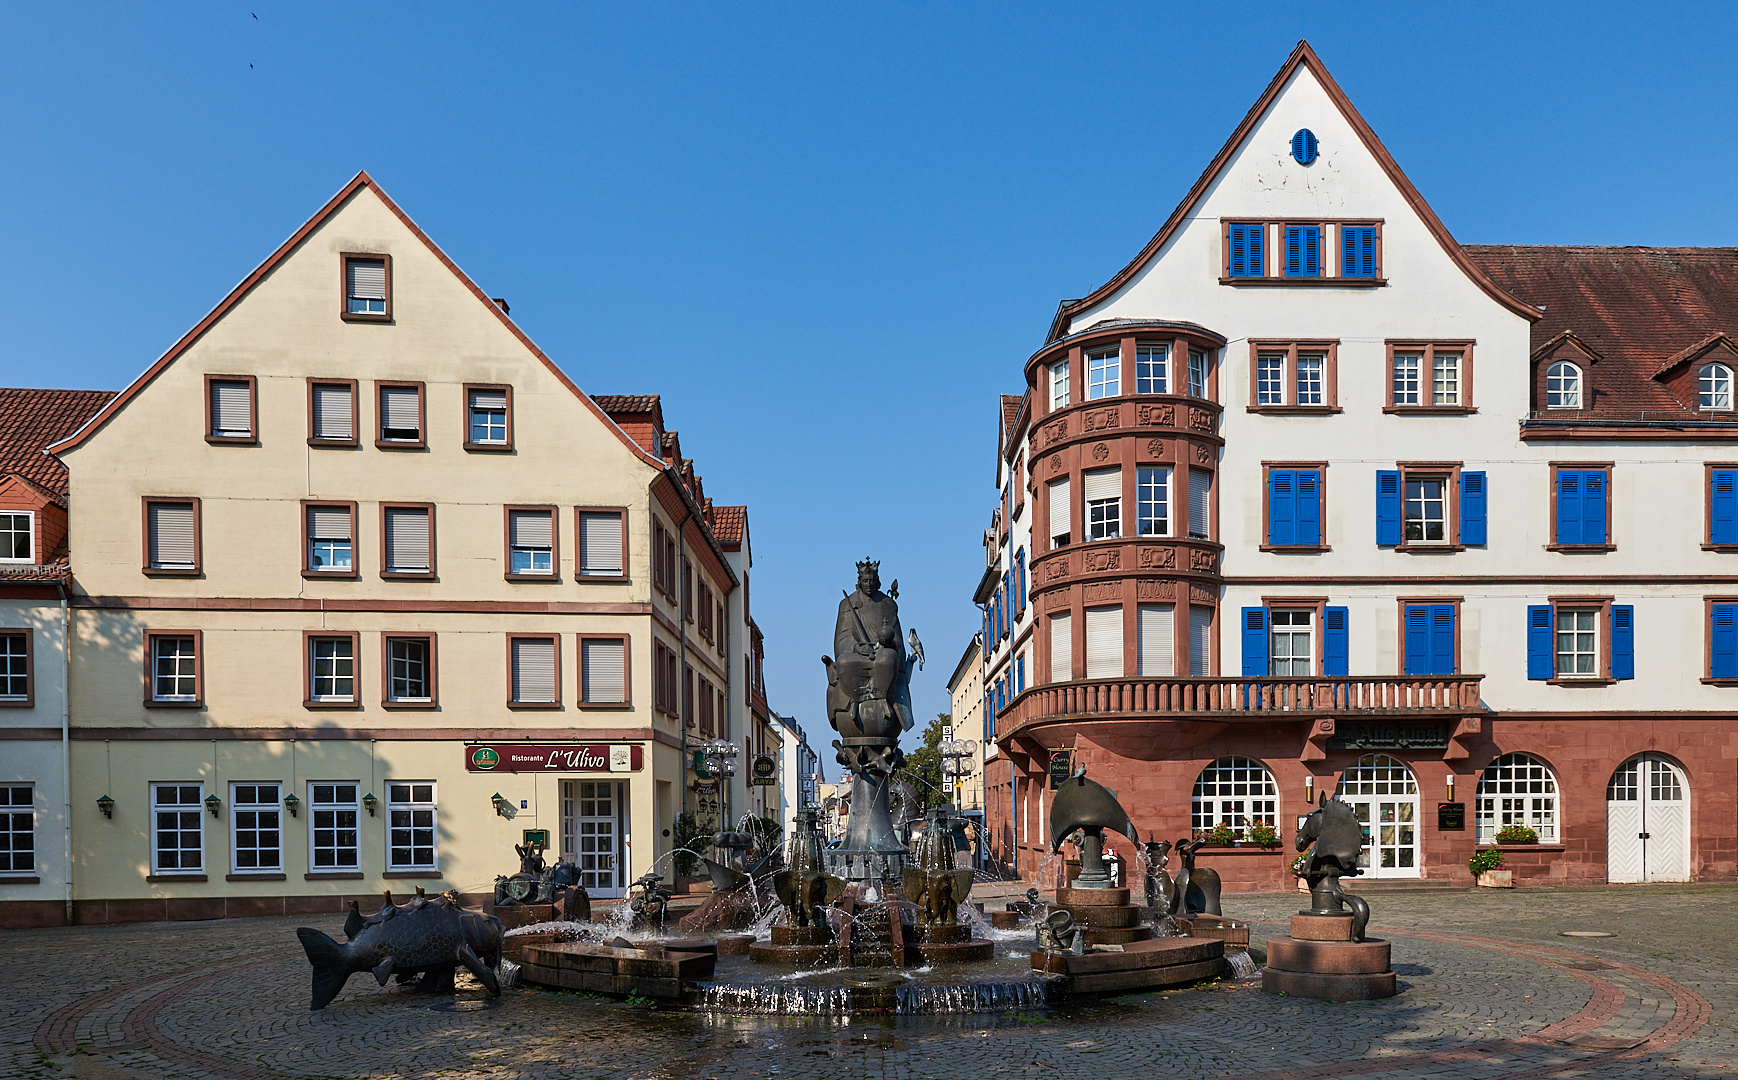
[
  {"x": 1309, "y": 789},
  {"x": 370, "y": 802},
  {"x": 291, "y": 803},
  {"x": 212, "y": 802},
  {"x": 1450, "y": 787},
  {"x": 500, "y": 804},
  {"x": 107, "y": 806}
]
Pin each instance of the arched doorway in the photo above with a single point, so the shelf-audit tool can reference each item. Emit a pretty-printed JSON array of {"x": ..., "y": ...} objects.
[
  {"x": 1384, "y": 794},
  {"x": 1647, "y": 821}
]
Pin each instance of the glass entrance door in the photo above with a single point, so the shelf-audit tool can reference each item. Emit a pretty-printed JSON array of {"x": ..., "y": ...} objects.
[
  {"x": 1384, "y": 795},
  {"x": 591, "y": 835}
]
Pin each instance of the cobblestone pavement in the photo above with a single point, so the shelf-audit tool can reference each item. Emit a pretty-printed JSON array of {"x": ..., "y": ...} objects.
[{"x": 1490, "y": 989}]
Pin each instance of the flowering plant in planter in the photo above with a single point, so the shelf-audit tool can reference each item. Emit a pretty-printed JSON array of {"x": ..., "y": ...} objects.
[
  {"x": 1262, "y": 834},
  {"x": 1298, "y": 864},
  {"x": 1220, "y": 835},
  {"x": 1488, "y": 859},
  {"x": 1516, "y": 833}
]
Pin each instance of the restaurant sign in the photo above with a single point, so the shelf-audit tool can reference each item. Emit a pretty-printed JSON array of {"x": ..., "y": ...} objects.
[
  {"x": 553, "y": 757},
  {"x": 1387, "y": 735}
]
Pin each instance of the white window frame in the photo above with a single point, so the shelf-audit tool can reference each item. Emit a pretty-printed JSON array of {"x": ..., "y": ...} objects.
[
  {"x": 23, "y": 661},
  {"x": 1103, "y": 372},
  {"x": 1563, "y": 385},
  {"x": 29, "y": 555},
  {"x": 1152, "y": 367},
  {"x": 196, "y": 808},
  {"x": 1059, "y": 385},
  {"x": 256, "y": 805},
  {"x": 1445, "y": 378},
  {"x": 1592, "y": 631},
  {"x": 1153, "y": 500},
  {"x": 473, "y": 411},
  {"x": 1238, "y": 791},
  {"x": 1270, "y": 380},
  {"x": 412, "y": 805},
  {"x": 314, "y": 675},
  {"x": 1517, "y": 789},
  {"x": 1407, "y": 372},
  {"x": 157, "y": 658},
  {"x": 1446, "y": 500},
  {"x": 12, "y": 810},
  {"x": 326, "y": 797},
  {"x": 1714, "y": 387},
  {"x": 514, "y": 551},
  {"x": 1311, "y": 379},
  {"x": 1291, "y": 630},
  {"x": 1103, "y": 517},
  {"x": 322, "y": 565},
  {"x": 1200, "y": 370},
  {"x": 393, "y": 662}
]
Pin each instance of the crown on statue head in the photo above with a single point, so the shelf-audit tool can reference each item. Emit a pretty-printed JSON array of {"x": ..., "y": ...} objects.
[{"x": 869, "y": 566}]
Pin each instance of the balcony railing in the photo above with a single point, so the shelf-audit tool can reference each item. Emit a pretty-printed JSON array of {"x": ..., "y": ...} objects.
[{"x": 1296, "y": 697}]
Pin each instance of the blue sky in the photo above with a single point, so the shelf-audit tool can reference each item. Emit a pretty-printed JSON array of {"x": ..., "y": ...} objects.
[{"x": 779, "y": 216}]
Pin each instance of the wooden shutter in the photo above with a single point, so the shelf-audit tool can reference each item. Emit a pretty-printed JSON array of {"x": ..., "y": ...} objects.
[
  {"x": 600, "y": 543},
  {"x": 1472, "y": 508},
  {"x": 1723, "y": 506},
  {"x": 1388, "y": 507},
  {"x": 1200, "y": 490},
  {"x": 1254, "y": 642},
  {"x": 1060, "y": 516},
  {"x": 1442, "y": 639},
  {"x": 604, "y": 670},
  {"x": 398, "y": 409},
  {"x": 1104, "y": 643},
  {"x": 1312, "y": 251},
  {"x": 367, "y": 279},
  {"x": 1309, "y": 508},
  {"x": 1569, "y": 507},
  {"x": 172, "y": 535},
  {"x": 1246, "y": 255},
  {"x": 1336, "y": 643},
  {"x": 1200, "y": 642},
  {"x": 531, "y": 529},
  {"x": 1358, "y": 251},
  {"x": 1723, "y": 645},
  {"x": 1155, "y": 628},
  {"x": 1541, "y": 661},
  {"x": 1062, "y": 647},
  {"x": 1593, "y": 496},
  {"x": 333, "y": 412},
  {"x": 1417, "y": 639},
  {"x": 1622, "y": 641},
  {"x": 328, "y": 523},
  {"x": 1294, "y": 251},
  {"x": 534, "y": 670},
  {"x": 1281, "y": 508},
  {"x": 231, "y": 409},
  {"x": 407, "y": 540}
]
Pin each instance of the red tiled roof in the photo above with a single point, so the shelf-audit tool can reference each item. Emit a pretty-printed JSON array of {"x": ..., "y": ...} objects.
[
  {"x": 728, "y": 523},
  {"x": 626, "y": 403},
  {"x": 32, "y": 419},
  {"x": 56, "y": 570},
  {"x": 1010, "y": 412},
  {"x": 1638, "y": 308}
]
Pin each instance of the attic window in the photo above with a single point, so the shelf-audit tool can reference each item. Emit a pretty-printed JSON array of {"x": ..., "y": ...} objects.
[
  {"x": 16, "y": 530},
  {"x": 1303, "y": 146},
  {"x": 1716, "y": 387},
  {"x": 367, "y": 287},
  {"x": 1563, "y": 386}
]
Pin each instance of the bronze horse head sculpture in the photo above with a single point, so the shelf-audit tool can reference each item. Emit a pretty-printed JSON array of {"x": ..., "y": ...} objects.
[{"x": 1338, "y": 837}]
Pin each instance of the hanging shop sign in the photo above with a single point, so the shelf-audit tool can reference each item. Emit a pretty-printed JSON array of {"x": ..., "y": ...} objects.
[
  {"x": 1061, "y": 765},
  {"x": 764, "y": 771},
  {"x": 553, "y": 757},
  {"x": 1387, "y": 735}
]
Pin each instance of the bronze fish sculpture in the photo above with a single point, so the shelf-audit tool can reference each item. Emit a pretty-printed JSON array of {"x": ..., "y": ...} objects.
[
  {"x": 424, "y": 936},
  {"x": 1086, "y": 804}
]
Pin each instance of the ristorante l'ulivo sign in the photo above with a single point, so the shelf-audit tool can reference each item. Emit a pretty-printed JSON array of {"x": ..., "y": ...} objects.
[{"x": 553, "y": 757}]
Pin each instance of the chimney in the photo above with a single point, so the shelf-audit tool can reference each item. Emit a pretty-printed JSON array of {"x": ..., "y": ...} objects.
[{"x": 502, "y": 304}]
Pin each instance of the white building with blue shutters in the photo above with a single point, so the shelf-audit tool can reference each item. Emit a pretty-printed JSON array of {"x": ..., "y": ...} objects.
[{"x": 1319, "y": 500}]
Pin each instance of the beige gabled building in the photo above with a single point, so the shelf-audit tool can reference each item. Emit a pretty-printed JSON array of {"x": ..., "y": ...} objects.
[{"x": 365, "y": 587}]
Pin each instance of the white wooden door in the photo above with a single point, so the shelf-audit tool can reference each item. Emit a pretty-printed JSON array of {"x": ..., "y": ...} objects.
[
  {"x": 1647, "y": 818},
  {"x": 591, "y": 835},
  {"x": 1384, "y": 795}
]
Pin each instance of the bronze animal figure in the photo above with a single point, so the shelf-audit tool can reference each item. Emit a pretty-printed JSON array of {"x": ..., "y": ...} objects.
[
  {"x": 1197, "y": 890},
  {"x": 1338, "y": 837}
]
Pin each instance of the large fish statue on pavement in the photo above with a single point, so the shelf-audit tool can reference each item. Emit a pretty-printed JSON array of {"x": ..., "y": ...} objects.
[{"x": 425, "y": 936}]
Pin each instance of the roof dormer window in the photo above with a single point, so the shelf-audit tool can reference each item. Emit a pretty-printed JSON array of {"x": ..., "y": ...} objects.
[
  {"x": 17, "y": 533},
  {"x": 1563, "y": 386},
  {"x": 1715, "y": 383}
]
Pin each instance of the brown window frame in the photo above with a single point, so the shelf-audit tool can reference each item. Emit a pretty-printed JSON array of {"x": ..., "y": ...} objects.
[
  {"x": 579, "y": 573},
  {"x": 355, "y": 440},
  {"x": 151, "y": 699},
  {"x": 1318, "y": 626},
  {"x": 687, "y": 600},
  {"x": 1451, "y": 509},
  {"x": 507, "y": 512},
  {"x": 1610, "y": 504},
  {"x": 627, "y": 671},
  {"x": 308, "y": 570},
  {"x": 1427, "y": 366},
  {"x": 1708, "y": 544},
  {"x": 1401, "y": 604},
  {"x": 1331, "y": 242},
  {"x": 28, "y": 701},
  {"x": 252, "y": 437},
  {"x": 657, "y": 553},
  {"x": 1267, "y": 468},
  {"x": 387, "y": 637},
  {"x": 1330, "y": 375},
  {"x": 1601, "y": 605},
  {"x": 514, "y": 703},
  {"x": 408, "y": 575},
  {"x": 344, "y": 312},
  {"x": 308, "y": 699},
  {"x": 198, "y": 567},
  {"x": 465, "y": 400},
  {"x": 380, "y": 440}
]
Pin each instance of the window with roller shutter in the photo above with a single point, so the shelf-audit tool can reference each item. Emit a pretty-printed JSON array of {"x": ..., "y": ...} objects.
[
  {"x": 367, "y": 287},
  {"x": 407, "y": 541},
  {"x": 229, "y": 409},
  {"x": 531, "y": 547},
  {"x": 331, "y": 412},
  {"x": 1062, "y": 647},
  {"x": 604, "y": 673},
  {"x": 1104, "y": 656},
  {"x": 1200, "y": 504},
  {"x": 401, "y": 414},
  {"x": 1060, "y": 513},
  {"x": 1157, "y": 647},
  {"x": 1200, "y": 642},
  {"x": 330, "y": 541},
  {"x": 488, "y": 417},
  {"x": 534, "y": 670},
  {"x": 171, "y": 536}
]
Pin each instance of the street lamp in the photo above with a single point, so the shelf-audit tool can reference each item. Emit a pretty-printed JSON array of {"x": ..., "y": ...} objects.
[{"x": 958, "y": 761}]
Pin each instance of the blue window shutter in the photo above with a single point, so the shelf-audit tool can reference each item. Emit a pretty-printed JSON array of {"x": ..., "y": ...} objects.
[
  {"x": 1309, "y": 507},
  {"x": 1442, "y": 639},
  {"x": 1723, "y": 528},
  {"x": 1593, "y": 496},
  {"x": 1020, "y": 561},
  {"x": 1357, "y": 251},
  {"x": 1239, "y": 256},
  {"x": 1254, "y": 642},
  {"x": 1539, "y": 658},
  {"x": 1417, "y": 639},
  {"x": 1312, "y": 253},
  {"x": 1335, "y": 645},
  {"x": 1568, "y": 506},
  {"x": 1281, "y": 508},
  {"x": 1294, "y": 251},
  {"x": 1622, "y": 641},
  {"x": 1472, "y": 508},
  {"x": 1387, "y": 507},
  {"x": 1723, "y": 655},
  {"x": 1256, "y": 236},
  {"x": 1020, "y": 675}
]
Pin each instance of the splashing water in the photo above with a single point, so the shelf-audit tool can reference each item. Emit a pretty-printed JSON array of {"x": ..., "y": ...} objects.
[
  {"x": 1242, "y": 965},
  {"x": 799, "y": 1000},
  {"x": 507, "y": 974}
]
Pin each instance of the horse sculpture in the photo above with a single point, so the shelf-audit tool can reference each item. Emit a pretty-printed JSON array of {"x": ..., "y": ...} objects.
[
  {"x": 1339, "y": 839},
  {"x": 1196, "y": 891}
]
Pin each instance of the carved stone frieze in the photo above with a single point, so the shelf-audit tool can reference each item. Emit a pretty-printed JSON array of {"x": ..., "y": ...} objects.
[
  {"x": 1202, "y": 560},
  {"x": 1100, "y": 452},
  {"x": 1156, "y": 415},
  {"x": 1202, "y": 594},
  {"x": 1056, "y": 569},
  {"x": 1157, "y": 558},
  {"x": 1055, "y": 431},
  {"x": 1100, "y": 419},
  {"x": 1100, "y": 561},
  {"x": 1155, "y": 448},
  {"x": 1155, "y": 590},
  {"x": 1099, "y": 591},
  {"x": 1200, "y": 419},
  {"x": 1203, "y": 453}
]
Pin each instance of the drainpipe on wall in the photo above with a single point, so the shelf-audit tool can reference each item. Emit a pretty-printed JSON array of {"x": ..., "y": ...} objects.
[
  {"x": 684, "y": 700},
  {"x": 66, "y": 740}
]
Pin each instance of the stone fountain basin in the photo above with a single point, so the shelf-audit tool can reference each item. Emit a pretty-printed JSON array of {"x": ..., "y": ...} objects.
[
  {"x": 654, "y": 971},
  {"x": 1153, "y": 964}
]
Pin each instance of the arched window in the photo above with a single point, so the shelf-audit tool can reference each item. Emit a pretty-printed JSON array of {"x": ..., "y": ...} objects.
[
  {"x": 1238, "y": 791},
  {"x": 1517, "y": 789},
  {"x": 1563, "y": 386},
  {"x": 1716, "y": 384}
]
